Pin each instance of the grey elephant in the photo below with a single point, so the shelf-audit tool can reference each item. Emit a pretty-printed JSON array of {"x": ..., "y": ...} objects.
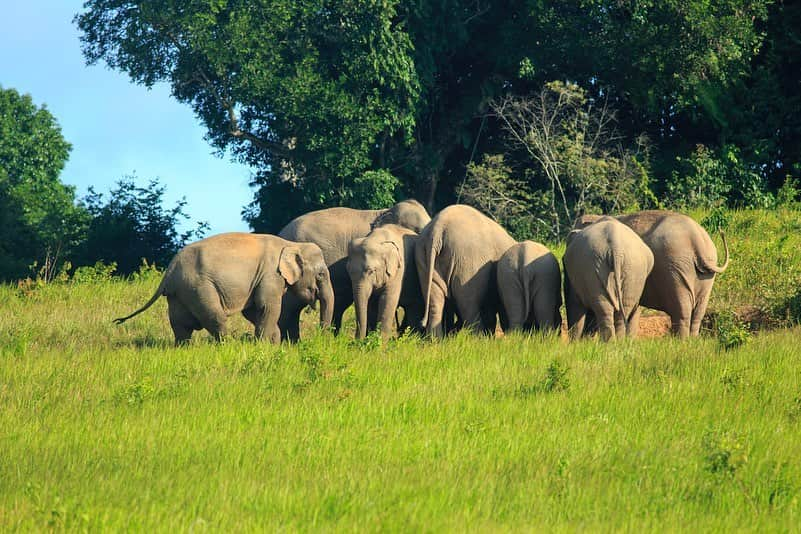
[
  {"x": 384, "y": 276},
  {"x": 456, "y": 258},
  {"x": 332, "y": 230},
  {"x": 685, "y": 265},
  {"x": 212, "y": 279},
  {"x": 530, "y": 287},
  {"x": 606, "y": 266}
]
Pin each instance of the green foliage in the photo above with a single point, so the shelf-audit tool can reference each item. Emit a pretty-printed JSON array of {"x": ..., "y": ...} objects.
[
  {"x": 303, "y": 91},
  {"x": 133, "y": 225},
  {"x": 92, "y": 274},
  {"x": 39, "y": 222},
  {"x": 724, "y": 453},
  {"x": 731, "y": 331},
  {"x": 315, "y": 94},
  {"x": 762, "y": 282},
  {"x": 375, "y": 190},
  {"x": 573, "y": 155},
  {"x": 555, "y": 378},
  {"x": 707, "y": 178},
  {"x": 717, "y": 220},
  {"x": 788, "y": 194},
  {"x": 491, "y": 188}
]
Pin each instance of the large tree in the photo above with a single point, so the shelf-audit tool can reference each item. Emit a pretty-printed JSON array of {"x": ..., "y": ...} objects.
[
  {"x": 38, "y": 218},
  {"x": 315, "y": 93}
]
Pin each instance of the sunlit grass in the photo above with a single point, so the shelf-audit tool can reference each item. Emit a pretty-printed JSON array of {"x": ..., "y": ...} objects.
[{"x": 110, "y": 427}]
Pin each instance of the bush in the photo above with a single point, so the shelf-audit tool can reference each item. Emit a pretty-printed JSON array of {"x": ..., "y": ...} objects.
[
  {"x": 708, "y": 178},
  {"x": 491, "y": 188},
  {"x": 133, "y": 225},
  {"x": 731, "y": 331}
]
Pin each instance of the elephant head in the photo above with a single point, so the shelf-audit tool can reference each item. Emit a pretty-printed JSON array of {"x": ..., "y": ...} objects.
[
  {"x": 373, "y": 265},
  {"x": 585, "y": 220},
  {"x": 303, "y": 268},
  {"x": 408, "y": 213}
]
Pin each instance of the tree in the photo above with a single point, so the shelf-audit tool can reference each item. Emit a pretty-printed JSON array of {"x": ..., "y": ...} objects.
[
  {"x": 572, "y": 144},
  {"x": 305, "y": 92},
  {"x": 133, "y": 225},
  {"x": 317, "y": 94},
  {"x": 492, "y": 188},
  {"x": 39, "y": 222}
]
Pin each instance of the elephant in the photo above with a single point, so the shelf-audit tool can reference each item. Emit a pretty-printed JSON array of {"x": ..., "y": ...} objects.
[
  {"x": 383, "y": 274},
  {"x": 214, "y": 278},
  {"x": 606, "y": 265},
  {"x": 456, "y": 257},
  {"x": 530, "y": 287},
  {"x": 332, "y": 230},
  {"x": 685, "y": 265}
]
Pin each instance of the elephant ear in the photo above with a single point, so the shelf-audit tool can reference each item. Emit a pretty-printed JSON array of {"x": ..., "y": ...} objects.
[
  {"x": 290, "y": 264},
  {"x": 355, "y": 245},
  {"x": 392, "y": 259},
  {"x": 572, "y": 234}
]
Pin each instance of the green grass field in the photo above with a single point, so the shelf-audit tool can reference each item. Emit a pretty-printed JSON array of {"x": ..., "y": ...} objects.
[{"x": 110, "y": 427}]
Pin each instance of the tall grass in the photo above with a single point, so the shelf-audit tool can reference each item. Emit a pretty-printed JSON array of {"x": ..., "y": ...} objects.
[{"x": 107, "y": 427}]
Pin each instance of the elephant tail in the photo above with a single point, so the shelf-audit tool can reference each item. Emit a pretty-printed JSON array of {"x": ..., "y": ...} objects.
[
  {"x": 616, "y": 293},
  {"x": 710, "y": 267},
  {"x": 431, "y": 248},
  {"x": 159, "y": 292}
]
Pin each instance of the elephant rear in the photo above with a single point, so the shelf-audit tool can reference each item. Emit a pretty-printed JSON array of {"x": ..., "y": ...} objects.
[
  {"x": 456, "y": 257},
  {"x": 530, "y": 287},
  {"x": 606, "y": 267}
]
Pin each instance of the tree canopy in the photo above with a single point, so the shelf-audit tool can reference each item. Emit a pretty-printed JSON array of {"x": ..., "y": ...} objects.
[
  {"x": 38, "y": 216},
  {"x": 331, "y": 101},
  {"x": 132, "y": 225}
]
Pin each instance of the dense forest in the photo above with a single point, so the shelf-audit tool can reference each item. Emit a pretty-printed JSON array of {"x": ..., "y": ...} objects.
[{"x": 535, "y": 111}]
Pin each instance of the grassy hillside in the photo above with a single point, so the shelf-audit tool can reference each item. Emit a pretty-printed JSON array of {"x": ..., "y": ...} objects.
[{"x": 110, "y": 427}]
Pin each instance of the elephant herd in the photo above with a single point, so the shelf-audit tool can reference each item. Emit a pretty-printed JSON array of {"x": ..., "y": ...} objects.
[{"x": 458, "y": 270}]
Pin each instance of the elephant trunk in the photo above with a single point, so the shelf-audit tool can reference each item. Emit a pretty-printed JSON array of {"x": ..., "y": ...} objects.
[
  {"x": 361, "y": 298},
  {"x": 325, "y": 292}
]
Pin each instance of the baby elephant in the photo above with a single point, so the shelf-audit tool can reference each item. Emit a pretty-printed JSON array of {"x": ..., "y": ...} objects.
[
  {"x": 219, "y": 276},
  {"x": 530, "y": 286},
  {"x": 383, "y": 274},
  {"x": 606, "y": 265}
]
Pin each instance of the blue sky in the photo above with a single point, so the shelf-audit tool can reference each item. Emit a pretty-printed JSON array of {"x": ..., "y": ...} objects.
[{"x": 116, "y": 128}]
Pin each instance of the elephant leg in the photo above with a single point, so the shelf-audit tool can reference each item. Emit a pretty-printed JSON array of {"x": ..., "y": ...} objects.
[
  {"x": 413, "y": 317},
  {"x": 701, "y": 303},
  {"x": 266, "y": 321},
  {"x": 489, "y": 319},
  {"x": 546, "y": 312},
  {"x": 605, "y": 315},
  {"x": 209, "y": 311},
  {"x": 386, "y": 314},
  {"x": 469, "y": 309},
  {"x": 436, "y": 308},
  {"x": 339, "y": 311},
  {"x": 289, "y": 320},
  {"x": 515, "y": 311},
  {"x": 576, "y": 315},
  {"x": 633, "y": 325},
  {"x": 182, "y": 321},
  {"x": 680, "y": 320},
  {"x": 503, "y": 317},
  {"x": 372, "y": 313},
  {"x": 620, "y": 324},
  {"x": 452, "y": 322}
]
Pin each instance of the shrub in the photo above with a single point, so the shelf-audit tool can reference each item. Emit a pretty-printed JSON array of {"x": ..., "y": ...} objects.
[
  {"x": 708, "y": 178},
  {"x": 731, "y": 331}
]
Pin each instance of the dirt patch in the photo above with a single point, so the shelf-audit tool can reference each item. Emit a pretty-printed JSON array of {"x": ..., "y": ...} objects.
[{"x": 654, "y": 325}]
